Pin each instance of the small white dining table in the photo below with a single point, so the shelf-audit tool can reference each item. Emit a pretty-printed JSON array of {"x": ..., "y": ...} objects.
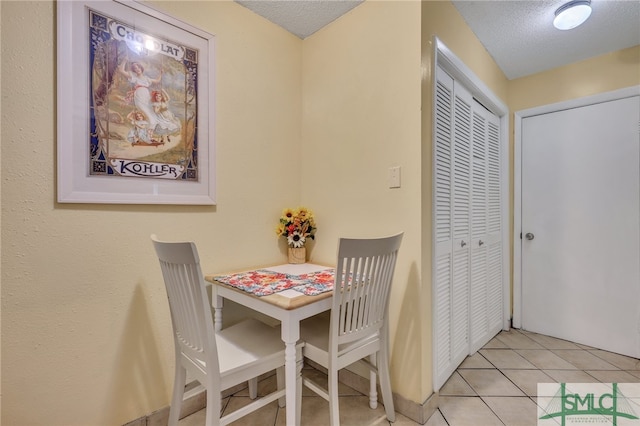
[{"x": 289, "y": 306}]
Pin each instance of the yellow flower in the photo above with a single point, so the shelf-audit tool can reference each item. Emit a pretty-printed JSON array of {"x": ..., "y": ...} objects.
[
  {"x": 279, "y": 229},
  {"x": 288, "y": 215},
  {"x": 303, "y": 213}
]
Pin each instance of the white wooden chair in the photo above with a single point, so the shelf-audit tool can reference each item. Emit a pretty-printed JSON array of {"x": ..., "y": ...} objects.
[
  {"x": 358, "y": 324},
  {"x": 218, "y": 360}
]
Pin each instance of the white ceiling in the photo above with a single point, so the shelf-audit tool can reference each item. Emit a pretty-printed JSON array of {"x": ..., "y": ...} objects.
[
  {"x": 521, "y": 38},
  {"x": 300, "y": 17},
  {"x": 518, "y": 34}
]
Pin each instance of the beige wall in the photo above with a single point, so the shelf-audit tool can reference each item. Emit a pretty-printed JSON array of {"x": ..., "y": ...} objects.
[
  {"x": 85, "y": 322},
  {"x": 603, "y": 73},
  {"x": 361, "y": 115}
]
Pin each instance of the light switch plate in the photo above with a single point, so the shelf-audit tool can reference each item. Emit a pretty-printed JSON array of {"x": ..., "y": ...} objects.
[{"x": 394, "y": 177}]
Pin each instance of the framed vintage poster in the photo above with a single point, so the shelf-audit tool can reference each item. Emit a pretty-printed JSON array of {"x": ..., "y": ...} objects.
[{"x": 135, "y": 106}]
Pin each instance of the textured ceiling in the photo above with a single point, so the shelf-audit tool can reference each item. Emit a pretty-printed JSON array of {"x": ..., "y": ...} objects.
[
  {"x": 521, "y": 38},
  {"x": 518, "y": 34},
  {"x": 300, "y": 17}
]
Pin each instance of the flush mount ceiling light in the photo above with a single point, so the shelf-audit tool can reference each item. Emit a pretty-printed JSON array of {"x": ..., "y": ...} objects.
[{"x": 572, "y": 14}]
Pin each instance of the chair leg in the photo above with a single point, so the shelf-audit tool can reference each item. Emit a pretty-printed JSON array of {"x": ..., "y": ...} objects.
[
  {"x": 179, "y": 382},
  {"x": 213, "y": 411},
  {"x": 385, "y": 384},
  {"x": 280, "y": 383},
  {"x": 373, "y": 389},
  {"x": 299, "y": 365},
  {"x": 334, "y": 411},
  {"x": 253, "y": 388}
]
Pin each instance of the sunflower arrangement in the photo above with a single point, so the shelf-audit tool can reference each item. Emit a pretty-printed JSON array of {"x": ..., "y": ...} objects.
[{"x": 297, "y": 226}]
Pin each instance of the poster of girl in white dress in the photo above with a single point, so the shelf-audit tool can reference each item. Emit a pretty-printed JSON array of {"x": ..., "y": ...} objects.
[{"x": 143, "y": 106}]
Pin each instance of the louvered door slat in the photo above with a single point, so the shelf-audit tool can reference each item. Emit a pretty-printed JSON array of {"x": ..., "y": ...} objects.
[
  {"x": 443, "y": 162},
  {"x": 494, "y": 286},
  {"x": 443, "y": 230},
  {"x": 479, "y": 178},
  {"x": 460, "y": 307},
  {"x": 443, "y": 312},
  {"x": 493, "y": 180},
  {"x": 461, "y": 205},
  {"x": 461, "y": 167},
  {"x": 478, "y": 297},
  {"x": 495, "y": 253}
]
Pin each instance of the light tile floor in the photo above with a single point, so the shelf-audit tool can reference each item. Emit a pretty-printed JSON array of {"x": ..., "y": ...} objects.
[{"x": 495, "y": 386}]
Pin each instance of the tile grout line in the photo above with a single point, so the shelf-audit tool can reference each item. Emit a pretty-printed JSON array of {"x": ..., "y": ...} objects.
[{"x": 480, "y": 396}]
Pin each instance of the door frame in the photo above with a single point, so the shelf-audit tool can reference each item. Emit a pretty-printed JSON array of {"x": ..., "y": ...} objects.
[
  {"x": 442, "y": 56},
  {"x": 518, "y": 116}
]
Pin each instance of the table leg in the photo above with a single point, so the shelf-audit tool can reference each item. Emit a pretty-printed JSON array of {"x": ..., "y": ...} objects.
[
  {"x": 293, "y": 379},
  {"x": 291, "y": 373},
  {"x": 217, "y": 311}
]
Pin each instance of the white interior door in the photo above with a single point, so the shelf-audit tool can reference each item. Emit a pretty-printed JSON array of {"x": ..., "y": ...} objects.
[{"x": 581, "y": 205}]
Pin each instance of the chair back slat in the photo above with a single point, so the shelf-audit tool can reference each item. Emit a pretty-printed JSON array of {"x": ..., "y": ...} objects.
[
  {"x": 188, "y": 301},
  {"x": 363, "y": 278}
]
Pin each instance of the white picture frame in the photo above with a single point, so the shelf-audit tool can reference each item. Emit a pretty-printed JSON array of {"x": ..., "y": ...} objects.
[{"x": 87, "y": 123}]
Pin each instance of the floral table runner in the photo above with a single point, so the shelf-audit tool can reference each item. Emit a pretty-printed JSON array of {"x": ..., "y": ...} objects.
[{"x": 263, "y": 282}]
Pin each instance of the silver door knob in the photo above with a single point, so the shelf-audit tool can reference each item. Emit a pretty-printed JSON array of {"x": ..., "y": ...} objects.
[
  {"x": 529, "y": 236},
  {"x": 462, "y": 243}
]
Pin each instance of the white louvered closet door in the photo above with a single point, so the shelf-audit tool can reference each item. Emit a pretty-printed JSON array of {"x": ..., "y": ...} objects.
[
  {"x": 478, "y": 292},
  {"x": 461, "y": 213},
  {"x": 468, "y": 252},
  {"x": 485, "y": 298},
  {"x": 450, "y": 338},
  {"x": 451, "y": 286},
  {"x": 495, "y": 249}
]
